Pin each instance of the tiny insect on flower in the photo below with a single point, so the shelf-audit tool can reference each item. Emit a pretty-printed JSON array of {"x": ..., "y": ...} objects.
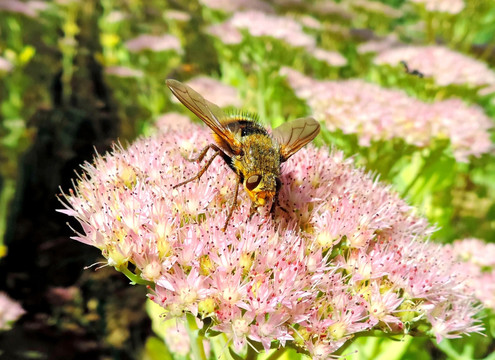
[{"x": 246, "y": 146}]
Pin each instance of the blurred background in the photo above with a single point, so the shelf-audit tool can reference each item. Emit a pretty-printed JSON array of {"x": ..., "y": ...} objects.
[{"x": 407, "y": 87}]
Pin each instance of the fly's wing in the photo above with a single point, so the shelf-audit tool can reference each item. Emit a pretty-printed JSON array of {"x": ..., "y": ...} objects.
[
  {"x": 210, "y": 113},
  {"x": 293, "y": 135}
]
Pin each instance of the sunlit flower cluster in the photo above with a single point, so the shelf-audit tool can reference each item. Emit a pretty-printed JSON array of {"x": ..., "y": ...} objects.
[
  {"x": 444, "y": 65},
  {"x": 237, "y": 5},
  {"x": 123, "y": 71},
  {"x": 10, "y": 311},
  {"x": 27, "y": 8},
  {"x": 342, "y": 254},
  {"x": 258, "y": 23},
  {"x": 215, "y": 91},
  {"x": 478, "y": 260},
  {"x": 445, "y": 6},
  {"x": 155, "y": 43},
  {"x": 332, "y": 58},
  {"x": 375, "y": 113},
  {"x": 5, "y": 65}
]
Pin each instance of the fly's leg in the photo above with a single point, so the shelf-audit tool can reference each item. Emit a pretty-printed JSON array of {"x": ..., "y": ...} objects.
[
  {"x": 203, "y": 152},
  {"x": 275, "y": 202},
  {"x": 199, "y": 158},
  {"x": 234, "y": 203}
]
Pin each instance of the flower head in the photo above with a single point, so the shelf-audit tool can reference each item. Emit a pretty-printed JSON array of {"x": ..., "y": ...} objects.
[
  {"x": 375, "y": 113},
  {"x": 123, "y": 71},
  {"x": 156, "y": 43},
  {"x": 215, "y": 91},
  {"x": 444, "y": 65},
  {"x": 231, "y": 6},
  {"x": 10, "y": 311},
  {"x": 258, "y": 23},
  {"x": 446, "y": 6},
  {"x": 268, "y": 280}
]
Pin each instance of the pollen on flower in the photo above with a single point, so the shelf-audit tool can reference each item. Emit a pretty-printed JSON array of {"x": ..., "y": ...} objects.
[{"x": 346, "y": 256}]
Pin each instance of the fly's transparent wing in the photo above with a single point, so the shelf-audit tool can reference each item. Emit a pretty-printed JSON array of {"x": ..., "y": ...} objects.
[
  {"x": 293, "y": 135},
  {"x": 210, "y": 113}
]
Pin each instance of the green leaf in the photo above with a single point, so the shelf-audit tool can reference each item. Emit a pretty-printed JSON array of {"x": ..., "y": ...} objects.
[{"x": 155, "y": 349}]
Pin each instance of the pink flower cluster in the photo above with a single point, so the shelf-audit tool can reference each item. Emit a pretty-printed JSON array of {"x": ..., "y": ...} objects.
[
  {"x": 10, "y": 311},
  {"x": 375, "y": 113},
  {"x": 237, "y": 5},
  {"x": 345, "y": 255},
  {"x": 446, "y": 66},
  {"x": 478, "y": 259},
  {"x": 215, "y": 91},
  {"x": 155, "y": 43},
  {"x": 286, "y": 29},
  {"x": 258, "y": 23},
  {"x": 445, "y": 6}
]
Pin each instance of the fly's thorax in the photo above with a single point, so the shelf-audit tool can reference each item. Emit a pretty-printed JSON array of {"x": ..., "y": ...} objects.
[{"x": 259, "y": 167}]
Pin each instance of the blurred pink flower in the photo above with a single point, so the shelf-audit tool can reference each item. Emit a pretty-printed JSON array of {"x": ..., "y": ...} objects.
[
  {"x": 478, "y": 261},
  {"x": 172, "y": 121},
  {"x": 332, "y": 58},
  {"x": 215, "y": 91},
  {"x": 375, "y": 113},
  {"x": 155, "y": 43},
  {"x": 123, "y": 71},
  {"x": 374, "y": 7},
  {"x": 177, "y": 15},
  {"x": 5, "y": 65},
  {"x": 310, "y": 22},
  {"x": 226, "y": 32},
  {"x": 378, "y": 45},
  {"x": 269, "y": 279},
  {"x": 444, "y": 65},
  {"x": 258, "y": 23},
  {"x": 231, "y": 6},
  {"x": 116, "y": 16},
  {"x": 10, "y": 311},
  {"x": 447, "y": 6},
  {"x": 18, "y": 7}
]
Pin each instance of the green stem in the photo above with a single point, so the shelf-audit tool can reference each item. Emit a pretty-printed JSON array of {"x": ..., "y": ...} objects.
[
  {"x": 6, "y": 195},
  {"x": 134, "y": 278},
  {"x": 196, "y": 340},
  {"x": 276, "y": 354},
  {"x": 219, "y": 344},
  {"x": 251, "y": 353}
]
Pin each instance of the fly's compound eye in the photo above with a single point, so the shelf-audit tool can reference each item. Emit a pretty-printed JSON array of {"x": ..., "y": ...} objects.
[{"x": 253, "y": 181}]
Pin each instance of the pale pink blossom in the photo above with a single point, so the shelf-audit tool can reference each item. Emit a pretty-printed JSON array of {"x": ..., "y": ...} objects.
[
  {"x": 446, "y": 6},
  {"x": 10, "y": 311},
  {"x": 478, "y": 261},
  {"x": 123, "y": 71},
  {"x": 444, "y": 65},
  {"x": 155, "y": 43},
  {"x": 375, "y": 113},
  {"x": 370, "y": 6},
  {"x": 332, "y": 58},
  {"x": 116, "y": 16},
  {"x": 5, "y": 65},
  {"x": 172, "y": 121},
  {"x": 177, "y": 15},
  {"x": 310, "y": 22},
  {"x": 270, "y": 280},
  {"x": 231, "y": 6},
  {"x": 226, "y": 32},
  {"x": 215, "y": 91},
  {"x": 379, "y": 44},
  {"x": 258, "y": 23},
  {"x": 18, "y": 7}
]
